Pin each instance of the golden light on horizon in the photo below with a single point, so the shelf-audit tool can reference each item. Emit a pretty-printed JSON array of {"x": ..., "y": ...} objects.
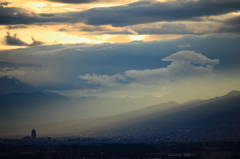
[
  {"x": 137, "y": 37},
  {"x": 46, "y": 35},
  {"x": 102, "y": 6},
  {"x": 71, "y": 9},
  {"x": 70, "y": 39},
  {"x": 235, "y": 13},
  {"x": 43, "y": 6},
  {"x": 58, "y": 5},
  {"x": 161, "y": 37},
  {"x": 164, "y": 1},
  {"x": 36, "y": 6},
  {"x": 105, "y": 37}
]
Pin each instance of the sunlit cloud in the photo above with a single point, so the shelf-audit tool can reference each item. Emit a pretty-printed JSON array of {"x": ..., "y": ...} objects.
[
  {"x": 120, "y": 48},
  {"x": 130, "y": 69},
  {"x": 182, "y": 72},
  {"x": 137, "y": 37}
]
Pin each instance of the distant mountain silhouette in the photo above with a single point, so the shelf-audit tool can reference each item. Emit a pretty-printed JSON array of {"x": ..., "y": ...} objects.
[
  {"x": 192, "y": 101},
  {"x": 206, "y": 113},
  {"x": 18, "y": 99},
  {"x": 204, "y": 117},
  {"x": 217, "y": 109},
  {"x": 12, "y": 85},
  {"x": 20, "y": 102},
  {"x": 221, "y": 114},
  {"x": 232, "y": 93},
  {"x": 24, "y": 108},
  {"x": 180, "y": 96},
  {"x": 184, "y": 95},
  {"x": 20, "y": 96},
  {"x": 100, "y": 107}
]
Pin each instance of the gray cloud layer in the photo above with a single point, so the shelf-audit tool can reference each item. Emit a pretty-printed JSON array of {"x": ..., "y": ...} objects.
[
  {"x": 11, "y": 16},
  {"x": 135, "y": 13},
  {"x": 182, "y": 66},
  {"x": 150, "y": 11},
  {"x": 16, "y": 65},
  {"x": 83, "y": 1},
  {"x": 14, "y": 40},
  {"x": 4, "y": 3},
  {"x": 230, "y": 25},
  {"x": 74, "y": 1},
  {"x": 16, "y": 27},
  {"x": 61, "y": 64}
]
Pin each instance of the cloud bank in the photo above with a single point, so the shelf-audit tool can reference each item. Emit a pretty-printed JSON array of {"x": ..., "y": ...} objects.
[
  {"x": 14, "y": 40},
  {"x": 153, "y": 11},
  {"x": 182, "y": 66},
  {"x": 140, "y": 12},
  {"x": 134, "y": 69}
]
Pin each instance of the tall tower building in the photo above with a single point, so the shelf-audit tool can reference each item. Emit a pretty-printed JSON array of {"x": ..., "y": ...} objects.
[{"x": 34, "y": 134}]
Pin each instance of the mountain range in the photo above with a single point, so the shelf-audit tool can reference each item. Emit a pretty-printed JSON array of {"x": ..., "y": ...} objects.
[
  {"x": 21, "y": 104},
  {"x": 12, "y": 85},
  {"x": 219, "y": 111},
  {"x": 53, "y": 114}
]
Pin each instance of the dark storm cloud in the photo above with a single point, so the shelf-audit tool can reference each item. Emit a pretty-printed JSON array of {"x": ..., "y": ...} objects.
[
  {"x": 158, "y": 29},
  {"x": 166, "y": 29},
  {"x": 46, "y": 15},
  {"x": 16, "y": 65},
  {"x": 135, "y": 13},
  {"x": 90, "y": 28},
  {"x": 35, "y": 42},
  {"x": 16, "y": 27},
  {"x": 17, "y": 16},
  {"x": 151, "y": 11},
  {"x": 62, "y": 29},
  {"x": 22, "y": 16},
  {"x": 230, "y": 25},
  {"x": 83, "y": 1},
  {"x": 4, "y": 3},
  {"x": 74, "y": 1},
  {"x": 14, "y": 40}
]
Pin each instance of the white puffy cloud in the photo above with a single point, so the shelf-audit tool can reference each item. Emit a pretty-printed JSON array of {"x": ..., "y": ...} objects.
[
  {"x": 104, "y": 80},
  {"x": 191, "y": 57},
  {"x": 181, "y": 69},
  {"x": 184, "y": 45},
  {"x": 182, "y": 66}
]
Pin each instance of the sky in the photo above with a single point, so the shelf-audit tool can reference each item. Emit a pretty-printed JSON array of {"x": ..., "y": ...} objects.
[{"x": 122, "y": 48}]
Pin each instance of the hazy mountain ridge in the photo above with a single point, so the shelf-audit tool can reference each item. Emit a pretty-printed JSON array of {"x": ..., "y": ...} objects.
[
  {"x": 88, "y": 124},
  {"x": 223, "y": 110},
  {"x": 23, "y": 98},
  {"x": 20, "y": 108},
  {"x": 94, "y": 113},
  {"x": 209, "y": 114},
  {"x": 10, "y": 85},
  {"x": 81, "y": 108},
  {"x": 213, "y": 112},
  {"x": 100, "y": 107},
  {"x": 21, "y": 103}
]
